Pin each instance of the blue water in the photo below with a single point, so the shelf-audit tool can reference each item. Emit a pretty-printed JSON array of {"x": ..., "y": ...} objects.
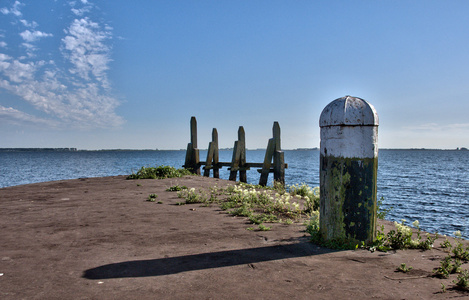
[{"x": 431, "y": 186}]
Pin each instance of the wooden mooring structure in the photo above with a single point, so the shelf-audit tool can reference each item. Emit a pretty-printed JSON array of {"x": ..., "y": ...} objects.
[{"x": 273, "y": 161}]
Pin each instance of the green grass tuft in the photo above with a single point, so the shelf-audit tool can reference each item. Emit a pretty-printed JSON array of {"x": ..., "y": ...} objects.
[{"x": 160, "y": 172}]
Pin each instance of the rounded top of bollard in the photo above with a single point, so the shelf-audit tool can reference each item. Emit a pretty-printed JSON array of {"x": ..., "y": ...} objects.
[{"x": 349, "y": 110}]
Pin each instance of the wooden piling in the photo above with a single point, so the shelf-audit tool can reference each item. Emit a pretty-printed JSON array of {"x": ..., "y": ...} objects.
[
  {"x": 212, "y": 156},
  {"x": 273, "y": 161},
  {"x": 192, "y": 153},
  {"x": 238, "y": 161},
  {"x": 273, "y": 153}
]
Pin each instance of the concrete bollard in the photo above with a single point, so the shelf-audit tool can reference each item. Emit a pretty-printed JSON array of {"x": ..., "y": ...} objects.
[{"x": 348, "y": 170}]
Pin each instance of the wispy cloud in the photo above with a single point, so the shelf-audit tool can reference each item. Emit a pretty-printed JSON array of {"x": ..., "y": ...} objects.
[
  {"x": 14, "y": 9},
  {"x": 78, "y": 94},
  {"x": 18, "y": 117},
  {"x": 32, "y": 36},
  {"x": 86, "y": 49},
  {"x": 82, "y": 10},
  {"x": 32, "y": 24}
]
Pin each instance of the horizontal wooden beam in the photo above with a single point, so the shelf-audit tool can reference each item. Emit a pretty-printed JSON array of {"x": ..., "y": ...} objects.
[
  {"x": 228, "y": 164},
  {"x": 270, "y": 170},
  {"x": 236, "y": 169}
]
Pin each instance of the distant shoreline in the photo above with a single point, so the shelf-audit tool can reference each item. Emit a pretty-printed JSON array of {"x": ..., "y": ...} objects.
[{"x": 222, "y": 149}]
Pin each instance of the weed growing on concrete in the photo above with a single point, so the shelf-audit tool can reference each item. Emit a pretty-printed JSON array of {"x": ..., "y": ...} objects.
[
  {"x": 258, "y": 204},
  {"x": 381, "y": 211},
  {"x": 452, "y": 264},
  {"x": 460, "y": 252},
  {"x": 192, "y": 196},
  {"x": 261, "y": 218},
  {"x": 262, "y": 206},
  {"x": 404, "y": 268},
  {"x": 160, "y": 172},
  {"x": 446, "y": 244},
  {"x": 152, "y": 197},
  {"x": 312, "y": 227},
  {"x": 462, "y": 281},
  {"x": 380, "y": 242},
  {"x": 310, "y": 195},
  {"x": 262, "y": 227},
  {"x": 176, "y": 188},
  {"x": 448, "y": 266},
  {"x": 401, "y": 238}
]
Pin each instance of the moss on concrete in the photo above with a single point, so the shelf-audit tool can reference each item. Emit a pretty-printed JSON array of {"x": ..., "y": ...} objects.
[{"x": 348, "y": 198}]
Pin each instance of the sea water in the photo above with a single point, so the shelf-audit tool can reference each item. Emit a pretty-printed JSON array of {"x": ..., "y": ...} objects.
[{"x": 431, "y": 186}]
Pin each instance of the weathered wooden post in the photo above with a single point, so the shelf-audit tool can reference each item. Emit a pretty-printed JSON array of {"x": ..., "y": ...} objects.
[
  {"x": 192, "y": 153},
  {"x": 279, "y": 156},
  {"x": 348, "y": 170},
  {"x": 238, "y": 161},
  {"x": 273, "y": 152},
  {"x": 212, "y": 155}
]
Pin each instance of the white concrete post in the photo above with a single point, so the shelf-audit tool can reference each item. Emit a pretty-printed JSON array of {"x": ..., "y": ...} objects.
[{"x": 348, "y": 170}]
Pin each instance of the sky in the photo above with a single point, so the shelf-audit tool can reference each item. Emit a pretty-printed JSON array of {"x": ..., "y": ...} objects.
[{"x": 95, "y": 74}]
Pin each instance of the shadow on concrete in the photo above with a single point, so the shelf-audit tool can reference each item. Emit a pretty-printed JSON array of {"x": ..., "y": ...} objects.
[{"x": 178, "y": 264}]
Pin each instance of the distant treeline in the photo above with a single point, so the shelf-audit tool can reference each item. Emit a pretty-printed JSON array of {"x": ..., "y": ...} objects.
[{"x": 36, "y": 149}]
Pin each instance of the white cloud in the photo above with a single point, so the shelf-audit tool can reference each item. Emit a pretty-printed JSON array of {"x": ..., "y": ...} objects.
[
  {"x": 15, "y": 70},
  {"x": 32, "y": 36},
  {"x": 15, "y": 116},
  {"x": 30, "y": 49},
  {"x": 81, "y": 11},
  {"x": 14, "y": 10},
  {"x": 84, "y": 107},
  {"x": 77, "y": 97},
  {"x": 32, "y": 24},
  {"x": 3, "y": 44},
  {"x": 4, "y": 57},
  {"x": 86, "y": 49}
]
